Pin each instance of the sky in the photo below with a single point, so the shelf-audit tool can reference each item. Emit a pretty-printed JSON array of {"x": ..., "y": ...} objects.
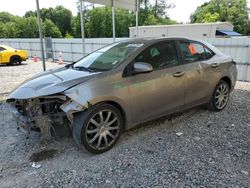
[{"x": 181, "y": 12}]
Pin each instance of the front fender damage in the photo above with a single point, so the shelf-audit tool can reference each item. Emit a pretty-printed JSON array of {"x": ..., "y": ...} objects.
[
  {"x": 51, "y": 115},
  {"x": 70, "y": 107}
]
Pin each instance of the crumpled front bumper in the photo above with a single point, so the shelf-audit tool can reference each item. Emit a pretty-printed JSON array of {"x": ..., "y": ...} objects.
[
  {"x": 21, "y": 121},
  {"x": 38, "y": 123}
]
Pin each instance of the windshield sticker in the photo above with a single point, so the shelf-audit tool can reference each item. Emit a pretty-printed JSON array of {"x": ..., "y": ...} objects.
[
  {"x": 135, "y": 45},
  {"x": 192, "y": 49},
  {"x": 115, "y": 62}
]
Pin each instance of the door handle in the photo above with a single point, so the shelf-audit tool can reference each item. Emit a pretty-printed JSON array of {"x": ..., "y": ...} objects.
[
  {"x": 215, "y": 65},
  {"x": 179, "y": 74}
]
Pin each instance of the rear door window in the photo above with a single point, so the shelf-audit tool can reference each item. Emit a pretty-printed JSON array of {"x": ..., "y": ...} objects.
[{"x": 194, "y": 51}]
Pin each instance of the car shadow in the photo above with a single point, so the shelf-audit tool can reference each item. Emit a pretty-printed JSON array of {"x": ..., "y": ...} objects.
[
  {"x": 7, "y": 65},
  {"x": 234, "y": 101}
]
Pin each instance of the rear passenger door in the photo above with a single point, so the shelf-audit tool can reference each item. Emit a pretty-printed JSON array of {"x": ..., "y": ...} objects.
[{"x": 197, "y": 60}]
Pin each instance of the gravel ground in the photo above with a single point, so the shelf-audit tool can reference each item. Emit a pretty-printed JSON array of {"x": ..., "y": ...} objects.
[
  {"x": 12, "y": 76},
  {"x": 213, "y": 151}
]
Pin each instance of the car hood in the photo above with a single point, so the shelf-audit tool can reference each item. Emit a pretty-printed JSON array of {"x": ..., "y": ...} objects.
[{"x": 50, "y": 82}]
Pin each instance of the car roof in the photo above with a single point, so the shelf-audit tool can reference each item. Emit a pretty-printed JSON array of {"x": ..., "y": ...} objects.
[
  {"x": 7, "y": 47},
  {"x": 152, "y": 39},
  {"x": 158, "y": 39}
]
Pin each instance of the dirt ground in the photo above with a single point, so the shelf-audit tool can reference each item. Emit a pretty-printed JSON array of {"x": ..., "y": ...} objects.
[{"x": 212, "y": 151}]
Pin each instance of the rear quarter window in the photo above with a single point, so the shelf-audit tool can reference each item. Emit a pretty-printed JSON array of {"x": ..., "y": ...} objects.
[{"x": 209, "y": 53}]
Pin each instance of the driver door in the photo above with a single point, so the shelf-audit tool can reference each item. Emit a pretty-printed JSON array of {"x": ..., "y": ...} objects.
[{"x": 161, "y": 91}]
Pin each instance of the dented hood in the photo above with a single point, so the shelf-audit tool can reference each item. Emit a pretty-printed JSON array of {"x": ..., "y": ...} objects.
[{"x": 50, "y": 82}]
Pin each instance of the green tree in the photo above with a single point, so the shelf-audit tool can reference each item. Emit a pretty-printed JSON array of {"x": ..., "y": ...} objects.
[
  {"x": 154, "y": 12},
  {"x": 247, "y": 29},
  {"x": 234, "y": 11},
  {"x": 11, "y": 30},
  {"x": 28, "y": 27},
  {"x": 60, "y": 16},
  {"x": 76, "y": 26},
  {"x": 208, "y": 17},
  {"x": 160, "y": 7},
  {"x": 2, "y": 30},
  {"x": 50, "y": 29},
  {"x": 99, "y": 22},
  {"x": 30, "y": 14},
  {"x": 6, "y": 17}
]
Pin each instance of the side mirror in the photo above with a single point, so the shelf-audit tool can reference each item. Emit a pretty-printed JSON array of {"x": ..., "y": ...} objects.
[{"x": 140, "y": 67}]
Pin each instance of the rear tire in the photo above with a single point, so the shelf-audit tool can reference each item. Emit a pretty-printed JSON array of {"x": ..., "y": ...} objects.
[
  {"x": 15, "y": 61},
  {"x": 98, "y": 128},
  {"x": 220, "y": 97}
]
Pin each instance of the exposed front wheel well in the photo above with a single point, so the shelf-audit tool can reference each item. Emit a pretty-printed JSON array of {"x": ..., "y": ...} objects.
[{"x": 228, "y": 80}]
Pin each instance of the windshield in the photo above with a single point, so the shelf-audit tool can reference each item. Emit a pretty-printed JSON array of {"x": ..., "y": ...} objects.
[{"x": 108, "y": 57}]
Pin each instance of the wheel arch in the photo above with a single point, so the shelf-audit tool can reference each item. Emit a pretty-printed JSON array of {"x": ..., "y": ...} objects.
[
  {"x": 15, "y": 56},
  {"x": 119, "y": 107},
  {"x": 228, "y": 80}
]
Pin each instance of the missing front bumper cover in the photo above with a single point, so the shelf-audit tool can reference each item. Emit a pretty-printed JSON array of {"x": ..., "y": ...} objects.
[{"x": 47, "y": 125}]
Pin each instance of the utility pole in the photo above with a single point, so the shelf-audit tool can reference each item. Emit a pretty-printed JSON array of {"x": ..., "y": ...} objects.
[
  {"x": 82, "y": 27},
  {"x": 113, "y": 19},
  {"x": 40, "y": 33},
  {"x": 136, "y": 17}
]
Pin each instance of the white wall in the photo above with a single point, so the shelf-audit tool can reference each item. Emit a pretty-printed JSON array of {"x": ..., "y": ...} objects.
[
  {"x": 238, "y": 48},
  {"x": 71, "y": 49},
  {"x": 200, "y": 31},
  {"x": 205, "y": 31}
]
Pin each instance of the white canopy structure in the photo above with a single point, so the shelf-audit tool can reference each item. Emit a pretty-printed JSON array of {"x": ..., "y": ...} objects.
[
  {"x": 132, "y": 5},
  {"x": 125, "y": 4}
]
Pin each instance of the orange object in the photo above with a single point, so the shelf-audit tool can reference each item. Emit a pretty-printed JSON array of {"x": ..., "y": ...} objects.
[
  {"x": 35, "y": 57},
  {"x": 192, "y": 49},
  {"x": 60, "y": 58}
]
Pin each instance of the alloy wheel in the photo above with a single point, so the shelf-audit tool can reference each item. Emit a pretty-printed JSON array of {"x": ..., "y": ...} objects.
[
  {"x": 102, "y": 129},
  {"x": 221, "y": 96}
]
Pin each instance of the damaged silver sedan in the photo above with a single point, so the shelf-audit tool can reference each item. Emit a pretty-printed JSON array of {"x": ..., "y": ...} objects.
[{"x": 122, "y": 85}]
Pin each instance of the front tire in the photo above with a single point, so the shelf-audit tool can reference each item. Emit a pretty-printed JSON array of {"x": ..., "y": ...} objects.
[
  {"x": 220, "y": 96},
  {"x": 98, "y": 128}
]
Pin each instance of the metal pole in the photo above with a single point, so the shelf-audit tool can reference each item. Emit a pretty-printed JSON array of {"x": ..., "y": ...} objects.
[
  {"x": 40, "y": 33},
  {"x": 113, "y": 20},
  {"x": 247, "y": 64},
  {"x": 82, "y": 27},
  {"x": 136, "y": 17}
]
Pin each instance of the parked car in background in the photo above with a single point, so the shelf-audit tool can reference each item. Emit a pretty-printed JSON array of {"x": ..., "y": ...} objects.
[
  {"x": 12, "y": 56},
  {"x": 122, "y": 85}
]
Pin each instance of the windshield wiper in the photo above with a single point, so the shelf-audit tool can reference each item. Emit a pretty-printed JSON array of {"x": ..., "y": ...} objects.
[
  {"x": 89, "y": 69},
  {"x": 70, "y": 65},
  {"x": 83, "y": 68}
]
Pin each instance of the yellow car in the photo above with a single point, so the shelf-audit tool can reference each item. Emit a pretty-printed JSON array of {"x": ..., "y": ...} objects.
[{"x": 12, "y": 56}]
